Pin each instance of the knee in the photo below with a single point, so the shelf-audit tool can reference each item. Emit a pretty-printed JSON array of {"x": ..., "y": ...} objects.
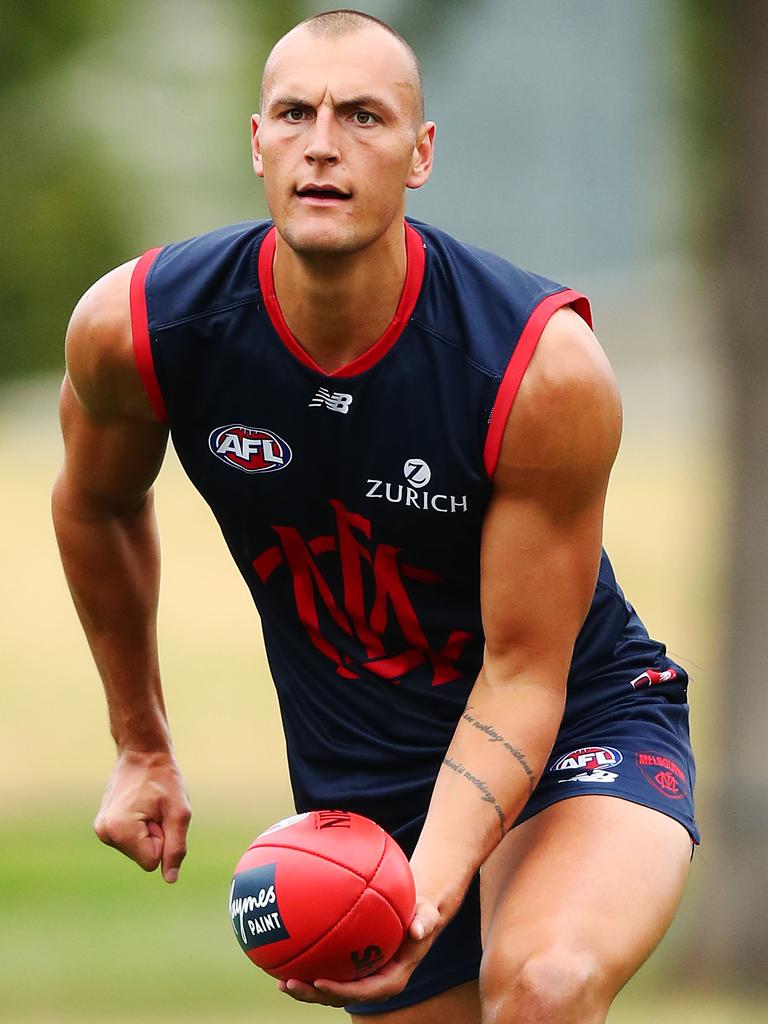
[{"x": 552, "y": 986}]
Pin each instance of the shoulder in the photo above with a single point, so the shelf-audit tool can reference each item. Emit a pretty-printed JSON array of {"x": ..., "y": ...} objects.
[
  {"x": 478, "y": 299},
  {"x": 566, "y": 418},
  {"x": 462, "y": 258},
  {"x": 99, "y": 349},
  {"x": 185, "y": 278},
  {"x": 205, "y": 273}
]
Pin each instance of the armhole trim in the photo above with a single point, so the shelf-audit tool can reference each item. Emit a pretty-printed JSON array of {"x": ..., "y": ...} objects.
[
  {"x": 142, "y": 348},
  {"x": 518, "y": 364}
]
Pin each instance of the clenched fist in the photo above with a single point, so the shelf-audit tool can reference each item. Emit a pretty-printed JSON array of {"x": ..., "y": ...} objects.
[{"x": 145, "y": 811}]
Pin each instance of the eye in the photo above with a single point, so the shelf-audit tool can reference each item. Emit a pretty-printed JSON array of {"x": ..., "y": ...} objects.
[
  {"x": 364, "y": 117},
  {"x": 295, "y": 114}
]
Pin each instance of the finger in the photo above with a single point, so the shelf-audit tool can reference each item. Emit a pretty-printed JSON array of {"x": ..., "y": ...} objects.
[
  {"x": 101, "y": 830},
  {"x": 334, "y": 994},
  {"x": 303, "y": 992},
  {"x": 424, "y": 921},
  {"x": 147, "y": 848},
  {"x": 156, "y": 837},
  {"x": 175, "y": 843},
  {"x": 389, "y": 981},
  {"x": 132, "y": 838}
]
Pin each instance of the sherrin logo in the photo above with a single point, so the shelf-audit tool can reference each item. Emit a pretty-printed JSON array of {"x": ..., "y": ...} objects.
[
  {"x": 251, "y": 449},
  {"x": 284, "y": 823}
]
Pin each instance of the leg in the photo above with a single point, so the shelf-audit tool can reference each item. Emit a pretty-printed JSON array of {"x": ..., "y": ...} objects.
[
  {"x": 573, "y": 901},
  {"x": 459, "y": 1005}
]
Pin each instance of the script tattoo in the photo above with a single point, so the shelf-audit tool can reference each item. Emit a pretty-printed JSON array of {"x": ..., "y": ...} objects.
[
  {"x": 496, "y": 737},
  {"x": 488, "y": 797}
]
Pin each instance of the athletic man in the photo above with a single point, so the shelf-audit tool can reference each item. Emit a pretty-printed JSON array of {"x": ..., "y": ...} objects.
[{"x": 407, "y": 443}]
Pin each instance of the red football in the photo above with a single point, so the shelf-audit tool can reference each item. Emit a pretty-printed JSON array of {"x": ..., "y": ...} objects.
[{"x": 327, "y": 894}]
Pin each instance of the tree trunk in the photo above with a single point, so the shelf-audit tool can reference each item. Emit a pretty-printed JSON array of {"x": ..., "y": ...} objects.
[{"x": 734, "y": 940}]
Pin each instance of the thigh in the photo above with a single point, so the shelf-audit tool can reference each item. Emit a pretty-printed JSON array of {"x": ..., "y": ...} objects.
[
  {"x": 595, "y": 876},
  {"x": 459, "y": 1005}
]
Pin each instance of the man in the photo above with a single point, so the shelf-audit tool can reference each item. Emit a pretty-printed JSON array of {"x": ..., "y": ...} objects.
[{"x": 407, "y": 444}]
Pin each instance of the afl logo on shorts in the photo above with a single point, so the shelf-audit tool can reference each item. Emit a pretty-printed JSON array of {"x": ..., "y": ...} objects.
[
  {"x": 251, "y": 449},
  {"x": 587, "y": 759}
]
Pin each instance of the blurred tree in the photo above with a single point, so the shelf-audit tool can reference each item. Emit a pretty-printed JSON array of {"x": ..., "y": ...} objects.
[
  {"x": 73, "y": 201},
  {"x": 60, "y": 227},
  {"x": 731, "y": 51}
]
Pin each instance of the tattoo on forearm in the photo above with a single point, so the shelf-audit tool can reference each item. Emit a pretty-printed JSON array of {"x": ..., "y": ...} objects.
[
  {"x": 496, "y": 737},
  {"x": 488, "y": 797}
]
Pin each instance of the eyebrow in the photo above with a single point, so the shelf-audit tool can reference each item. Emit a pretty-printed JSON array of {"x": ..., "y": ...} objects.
[{"x": 350, "y": 104}]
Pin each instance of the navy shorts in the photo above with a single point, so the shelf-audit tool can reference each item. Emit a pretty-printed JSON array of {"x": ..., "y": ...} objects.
[{"x": 637, "y": 750}]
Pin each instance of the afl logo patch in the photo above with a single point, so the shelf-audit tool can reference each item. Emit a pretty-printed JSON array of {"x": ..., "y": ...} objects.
[
  {"x": 251, "y": 449},
  {"x": 588, "y": 759}
]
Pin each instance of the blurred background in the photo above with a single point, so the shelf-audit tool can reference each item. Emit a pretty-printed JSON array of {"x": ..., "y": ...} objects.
[{"x": 619, "y": 146}]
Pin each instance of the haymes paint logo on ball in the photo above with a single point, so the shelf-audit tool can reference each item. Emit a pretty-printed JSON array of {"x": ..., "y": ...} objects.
[{"x": 253, "y": 905}]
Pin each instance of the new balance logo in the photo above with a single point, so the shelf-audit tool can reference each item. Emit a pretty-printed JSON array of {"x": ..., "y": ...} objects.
[{"x": 336, "y": 402}]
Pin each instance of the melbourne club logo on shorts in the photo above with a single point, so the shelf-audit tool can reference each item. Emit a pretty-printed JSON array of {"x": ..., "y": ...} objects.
[
  {"x": 664, "y": 774},
  {"x": 250, "y": 449},
  {"x": 253, "y": 905},
  {"x": 591, "y": 763}
]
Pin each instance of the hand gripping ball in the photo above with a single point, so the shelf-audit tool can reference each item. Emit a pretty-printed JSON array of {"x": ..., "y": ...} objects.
[{"x": 326, "y": 894}]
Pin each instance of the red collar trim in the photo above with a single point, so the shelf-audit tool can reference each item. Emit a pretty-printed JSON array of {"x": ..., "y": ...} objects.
[{"x": 414, "y": 275}]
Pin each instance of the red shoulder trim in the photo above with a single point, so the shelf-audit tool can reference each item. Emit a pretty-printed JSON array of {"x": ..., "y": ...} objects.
[
  {"x": 142, "y": 348},
  {"x": 414, "y": 276},
  {"x": 518, "y": 364}
]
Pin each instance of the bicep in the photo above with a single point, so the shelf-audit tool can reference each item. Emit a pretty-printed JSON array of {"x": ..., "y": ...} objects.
[
  {"x": 542, "y": 536},
  {"x": 538, "y": 574},
  {"x": 110, "y": 461},
  {"x": 114, "y": 446}
]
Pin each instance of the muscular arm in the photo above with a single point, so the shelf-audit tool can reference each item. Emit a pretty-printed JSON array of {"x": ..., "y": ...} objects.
[
  {"x": 105, "y": 525},
  {"x": 540, "y": 556}
]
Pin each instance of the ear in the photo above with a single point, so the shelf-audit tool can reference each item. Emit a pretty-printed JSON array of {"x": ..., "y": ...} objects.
[
  {"x": 258, "y": 166},
  {"x": 423, "y": 155}
]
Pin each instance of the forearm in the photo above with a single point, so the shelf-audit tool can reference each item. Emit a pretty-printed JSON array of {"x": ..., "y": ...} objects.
[
  {"x": 112, "y": 563},
  {"x": 497, "y": 754}
]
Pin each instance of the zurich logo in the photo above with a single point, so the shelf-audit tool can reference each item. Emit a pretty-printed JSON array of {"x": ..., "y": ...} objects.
[
  {"x": 417, "y": 472},
  {"x": 250, "y": 449}
]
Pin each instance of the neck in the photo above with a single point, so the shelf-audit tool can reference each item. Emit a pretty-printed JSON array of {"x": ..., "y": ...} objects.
[{"x": 337, "y": 307}]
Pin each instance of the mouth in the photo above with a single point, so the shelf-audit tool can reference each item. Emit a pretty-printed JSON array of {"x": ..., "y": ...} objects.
[{"x": 322, "y": 195}]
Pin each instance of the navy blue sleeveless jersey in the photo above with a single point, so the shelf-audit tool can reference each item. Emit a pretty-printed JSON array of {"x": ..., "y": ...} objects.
[{"x": 352, "y": 503}]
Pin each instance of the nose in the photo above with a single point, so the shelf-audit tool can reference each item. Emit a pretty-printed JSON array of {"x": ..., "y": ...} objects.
[{"x": 322, "y": 142}]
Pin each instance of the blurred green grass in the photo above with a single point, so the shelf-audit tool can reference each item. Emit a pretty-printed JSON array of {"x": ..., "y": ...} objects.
[
  {"x": 87, "y": 937},
  {"x": 84, "y": 935}
]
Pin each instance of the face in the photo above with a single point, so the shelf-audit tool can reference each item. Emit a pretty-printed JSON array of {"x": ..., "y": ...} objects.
[{"x": 339, "y": 139}]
